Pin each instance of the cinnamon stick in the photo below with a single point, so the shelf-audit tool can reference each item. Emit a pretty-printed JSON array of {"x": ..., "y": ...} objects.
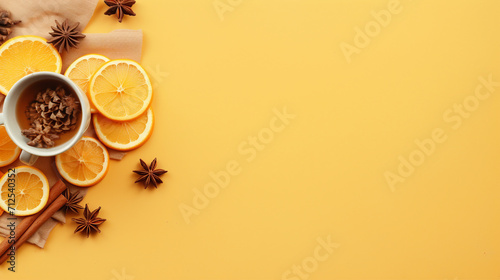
[
  {"x": 1, "y": 210},
  {"x": 54, "y": 193},
  {"x": 47, "y": 214}
]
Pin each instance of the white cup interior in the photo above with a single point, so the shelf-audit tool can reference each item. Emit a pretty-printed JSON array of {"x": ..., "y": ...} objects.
[{"x": 11, "y": 121}]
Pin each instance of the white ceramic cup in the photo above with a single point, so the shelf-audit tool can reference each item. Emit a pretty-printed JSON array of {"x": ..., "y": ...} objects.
[{"x": 9, "y": 117}]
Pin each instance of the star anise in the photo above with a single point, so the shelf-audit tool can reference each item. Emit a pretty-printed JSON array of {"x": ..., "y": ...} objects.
[
  {"x": 73, "y": 200},
  {"x": 120, "y": 8},
  {"x": 40, "y": 137},
  {"x": 90, "y": 222},
  {"x": 150, "y": 175},
  {"x": 65, "y": 36}
]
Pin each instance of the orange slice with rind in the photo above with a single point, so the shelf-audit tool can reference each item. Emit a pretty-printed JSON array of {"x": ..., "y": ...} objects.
[
  {"x": 121, "y": 90},
  {"x": 124, "y": 136},
  {"x": 24, "y": 55},
  {"x": 9, "y": 152},
  {"x": 82, "y": 70},
  {"x": 85, "y": 164},
  {"x": 24, "y": 191}
]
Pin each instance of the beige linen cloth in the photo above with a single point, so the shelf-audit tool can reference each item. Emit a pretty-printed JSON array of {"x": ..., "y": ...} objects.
[{"x": 37, "y": 17}]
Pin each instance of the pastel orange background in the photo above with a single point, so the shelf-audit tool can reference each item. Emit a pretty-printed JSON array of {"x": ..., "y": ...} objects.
[{"x": 219, "y": 80}]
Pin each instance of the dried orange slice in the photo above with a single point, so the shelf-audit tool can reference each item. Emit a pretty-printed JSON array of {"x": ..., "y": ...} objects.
[
  {"x": 85, "y": 164},
  {"x": 82, "y": 70},
  {"x": 24, "y": 55},
  {"x": 9, "y": 152},
  {"x": 1, "y": 210},
  {"x": 121, "y": 90},
  {"x": 25, "y": 190},
  {"x": 124, "y": 136}
]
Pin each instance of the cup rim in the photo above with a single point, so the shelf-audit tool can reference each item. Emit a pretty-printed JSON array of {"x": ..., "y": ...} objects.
[{"x": 19, "y": 140}]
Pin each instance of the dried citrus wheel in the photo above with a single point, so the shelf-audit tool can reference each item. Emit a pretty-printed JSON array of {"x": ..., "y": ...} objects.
[
  {"x": 82, "y": 70},
  {"x": 85, "y": 164},
  {"x": 24, "y": 55},
  {"x": 25, "y": 190},
  {"x": 124, "y": 136},
  {"x": 1, "y": 210},
  {"x": 121, "y": 90},
  {"x": 9, "y": 152}
]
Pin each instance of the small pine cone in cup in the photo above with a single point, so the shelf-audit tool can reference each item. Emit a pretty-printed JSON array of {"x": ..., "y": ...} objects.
[{"x": 52, "y": 113}]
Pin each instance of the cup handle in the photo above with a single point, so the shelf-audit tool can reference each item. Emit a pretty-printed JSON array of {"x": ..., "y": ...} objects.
[
  {"x": 27, "y": 158},
  {"x": 1, "y": 119}
]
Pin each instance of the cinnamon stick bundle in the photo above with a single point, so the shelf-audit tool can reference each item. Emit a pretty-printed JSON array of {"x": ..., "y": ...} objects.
[
  {"x": 1, "y": 210},
  {"x": 47, "y": 214},
  {"x": 29, "y": 225}
]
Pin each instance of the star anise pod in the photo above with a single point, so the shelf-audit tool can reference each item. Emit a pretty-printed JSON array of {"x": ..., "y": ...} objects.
[
  {"x": 65, "y": 36},
  {"x": 150, "y": 175},
  {"x": 40, "y": 137},
  {"x": 120, "y": 8},
  {"x": 73, "y": 200},
  {"x": 90, "y": 222}
]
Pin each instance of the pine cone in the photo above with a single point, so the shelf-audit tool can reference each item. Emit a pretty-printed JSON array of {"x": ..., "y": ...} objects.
[
  {"x": 6, "y": 24},
  {"x": 52, "y": 113}
]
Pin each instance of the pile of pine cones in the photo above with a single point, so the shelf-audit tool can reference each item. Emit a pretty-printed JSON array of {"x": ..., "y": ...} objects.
[
  {"x": 6, "y": 24},
  {"x": 51, "y": 114}
]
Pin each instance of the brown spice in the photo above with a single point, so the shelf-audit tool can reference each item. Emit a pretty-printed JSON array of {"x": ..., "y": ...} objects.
[
  {"x": 90, "y": 222},
  {"x": 73, "y": 200},
  {"x": 40, "y": 136},
  {"x": 51, "y": 114},
  {"x": 120, "y": 8},
  {"x": 150, "y": 175},
  {"x": 6, "y": 25},
  {"x": 65, "y": 36},
  {"x": 30, "y": 224}
]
